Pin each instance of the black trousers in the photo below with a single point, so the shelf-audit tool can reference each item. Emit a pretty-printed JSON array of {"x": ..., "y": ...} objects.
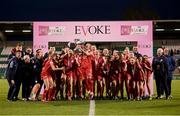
[
  {"x": 26, "y": 89},
  {"x": 169, "y": 81},
  {"x": 18, "y": 85},
  {"x": 58, "y": 88},
  {"x": 161, "y": 81},
  {"x": 11, "y": 91}
]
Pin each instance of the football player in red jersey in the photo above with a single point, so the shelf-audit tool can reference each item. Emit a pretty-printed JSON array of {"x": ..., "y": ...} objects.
[
  {"x": 80, "y": 69},
  {"x": 54, "y": 76},
  {"x": 128, "y": 81},
  {"x": 46, "y": 75},
  {"x": 136, "y": 73},
  {"x": 99, "y": 63},
  {"x": 75, "y": 75},
  {"x": 115, "y": 74},
  {"x": 70, "y": 72},
  {"x": 63, "y": 62},
  {"x": 126, "y": 53},
  {"x": 131, "y": 77},
  {"x": 94, "y": 75},
  {"x": 106, "y": 70},
  {"x": 147, "y": 67},
  {"x": 86, "y": 69},
  {"x": 140, "y": 79},
  {"x": 124, "y": 79}
]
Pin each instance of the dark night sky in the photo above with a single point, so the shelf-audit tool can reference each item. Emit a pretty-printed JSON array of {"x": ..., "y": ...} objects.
[{"x": 61, "y": 10}]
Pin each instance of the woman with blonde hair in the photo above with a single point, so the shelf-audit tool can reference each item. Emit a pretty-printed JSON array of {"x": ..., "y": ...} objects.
[{"x": 46, "y": 76}]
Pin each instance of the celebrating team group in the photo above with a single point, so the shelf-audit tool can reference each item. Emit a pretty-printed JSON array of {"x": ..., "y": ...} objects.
[{"x": 83, "y": 72}]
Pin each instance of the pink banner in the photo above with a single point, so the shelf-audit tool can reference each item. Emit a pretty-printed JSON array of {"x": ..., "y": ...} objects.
[{"x": 95, "y": 31}]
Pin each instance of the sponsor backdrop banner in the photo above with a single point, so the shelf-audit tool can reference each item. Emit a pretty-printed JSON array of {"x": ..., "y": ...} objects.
[{"x": 94, "y": 31}]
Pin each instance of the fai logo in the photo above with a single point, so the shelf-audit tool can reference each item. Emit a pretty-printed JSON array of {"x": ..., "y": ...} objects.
[
  {"x": 51, "y": 30},
  {"x": 134, "y": 30}
]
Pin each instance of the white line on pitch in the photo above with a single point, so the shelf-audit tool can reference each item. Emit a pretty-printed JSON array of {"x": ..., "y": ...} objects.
[{"x": 92, "y": 108}]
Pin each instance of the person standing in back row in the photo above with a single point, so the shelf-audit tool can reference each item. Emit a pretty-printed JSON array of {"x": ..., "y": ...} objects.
[
  {"x": 171, "y": 68},
  {"x": 18, "y": 47}
]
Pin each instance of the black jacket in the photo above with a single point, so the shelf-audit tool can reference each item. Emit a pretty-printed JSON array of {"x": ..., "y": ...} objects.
[
  {"x": 160, "y": 65},
  {"x": 11, "y": 69},
  {"x": 27, "y": 69},
  {"x": 37, "y": 68}
]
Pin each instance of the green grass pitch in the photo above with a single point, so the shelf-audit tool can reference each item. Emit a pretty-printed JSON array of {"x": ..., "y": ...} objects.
[{"x": 102, "y": 107}]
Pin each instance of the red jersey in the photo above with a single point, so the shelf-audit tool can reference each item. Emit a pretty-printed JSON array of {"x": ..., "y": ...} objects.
[
  {"x": 99, "y": 66},
  {"x": 54, "y": 73},
  {"x": 126, "y": 57},
  {"x": 146, "y": 70},
  {"x": 123, "y": 66},
  {"x": 79, "y": 60},
  {"x": 85, "y": 61},
  {"x": 65, "y": 60},
  {"x": 106, "y": 67},
  {"x": 70, "y": 63},
  {"x": 46, "y": 70},
  {"x": 115, "y": 68},
  {"x": 71, "y": 66},
  {"x": 147, "y": 64},
  {"x": 135, "y": 71},
  {"x": 93, "y": 62}
]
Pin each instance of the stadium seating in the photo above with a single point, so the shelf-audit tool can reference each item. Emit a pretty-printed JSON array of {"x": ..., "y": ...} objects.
[{"x": 4, "y": 52}]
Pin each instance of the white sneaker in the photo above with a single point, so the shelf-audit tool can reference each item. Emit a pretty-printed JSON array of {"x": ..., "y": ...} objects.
[
  {"x": 161, "y": 97},
  {"x": 170, "y": 96}
]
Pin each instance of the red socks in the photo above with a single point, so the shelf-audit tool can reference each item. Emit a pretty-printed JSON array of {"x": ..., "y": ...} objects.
[{"x": 44, "y": 95}]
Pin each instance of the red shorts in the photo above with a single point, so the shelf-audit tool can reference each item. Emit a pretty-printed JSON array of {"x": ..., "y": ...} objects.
[
  {"x": 86, "y": 73},
  {"x": 140, "y": 77},
  {"x": 99, "y": 78},
  {"x": 45, "y": 76},
  {"x": 75, "y": 75},
  {"x": 120, "y": 76},
  {"x": 123, "y": 76},
  {"x": 69, "y": 74},
  {"x": 115, "y": 77},
  {"x": 80, "y": 74},
  {"x": 128, "y": 76},
  {"x": 148, "y": 74}
]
